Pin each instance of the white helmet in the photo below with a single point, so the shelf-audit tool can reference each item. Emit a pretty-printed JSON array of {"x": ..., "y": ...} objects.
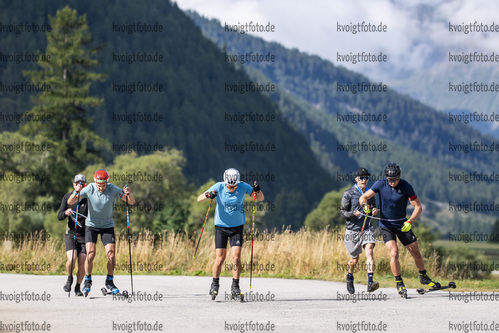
[{"x": 231, "y": 177}]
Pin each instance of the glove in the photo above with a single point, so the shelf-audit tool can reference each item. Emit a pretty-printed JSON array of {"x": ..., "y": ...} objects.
[
  {"x": 407, "y": 226},
  {"x": 366, "y": 208},
  {"x": 211, "y": 195},
  {"x": 256, "y": 188}
]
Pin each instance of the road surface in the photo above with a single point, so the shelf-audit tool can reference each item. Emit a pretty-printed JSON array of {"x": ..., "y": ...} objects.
[{"x": 29, "y": 303}]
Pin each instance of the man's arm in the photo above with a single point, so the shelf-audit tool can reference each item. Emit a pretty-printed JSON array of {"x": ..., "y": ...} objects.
[
  {"x": 61, "y": 215},
  {"x": 207, "y": 195},
  {"x": 256, "y": 190},
  {"x": 259, "y": 195},
  {"x": 346, "y": 205},
  {"x": 418, "y": 209},
  {"x": 366, "y": 196},
  {"x": 372, "y": 202},
  {"x": 202, "y": 197},
  {"x": 74, "y": 198},
  {"x": 127, "y": 193}
]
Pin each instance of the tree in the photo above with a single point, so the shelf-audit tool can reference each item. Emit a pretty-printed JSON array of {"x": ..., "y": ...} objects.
[
  {"x": 494, "y": 235},
  {"x": 67, "y": 77},
  {"x": 328, "y": 213}
]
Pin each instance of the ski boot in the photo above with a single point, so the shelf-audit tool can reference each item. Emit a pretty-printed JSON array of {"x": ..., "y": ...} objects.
[
  {"x": 372, "y": 286},
  {"x": 87, "y": 285},
  {"x": 350, "y": 286},
  {"x": 214, "y": 288},
  {"x": 236, "y": 291},
  {"x": 77, "y": 290},
  {"x": 110, "y": 285},
  {"x": 425, "y": 279},
  {"x": 67, "y": 286},
  {"x": 401, "y": 288}
]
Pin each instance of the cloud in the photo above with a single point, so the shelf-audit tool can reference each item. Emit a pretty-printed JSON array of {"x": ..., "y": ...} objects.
[{"x": 418, "y": 35}]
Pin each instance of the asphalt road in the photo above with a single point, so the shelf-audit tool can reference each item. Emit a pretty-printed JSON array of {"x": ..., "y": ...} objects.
[{"x": 29, "y": 303}]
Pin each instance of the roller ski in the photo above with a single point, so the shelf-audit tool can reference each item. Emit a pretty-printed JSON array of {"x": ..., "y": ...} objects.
[
  {"x": 401, "y": 289},
  {"x": 67, "y": 286},
  {"x": 214, "y": 289},
  {"x": 350, "y": 285},
  {"x": 372, "y": 286},
  {"x": 451, "y": 285},
  {"x": 112, "y": 289},
  {"x": 77, "y": 290},
  {"x": 87, "y": 285},
  {"x": 425, "y": 279},
  {"x": 236, "y": 291}
]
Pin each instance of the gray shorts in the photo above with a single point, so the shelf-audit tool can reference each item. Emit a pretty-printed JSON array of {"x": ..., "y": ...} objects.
[{"x": 352, "y": 238}]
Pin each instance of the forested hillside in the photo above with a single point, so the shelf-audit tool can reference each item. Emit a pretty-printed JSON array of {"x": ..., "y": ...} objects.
[
  {"x": 189, "y": 83},
  {"x": 318, "y": 98}
]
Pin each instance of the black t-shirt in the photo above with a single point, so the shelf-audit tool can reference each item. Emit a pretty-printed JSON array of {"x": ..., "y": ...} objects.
[{"x": 393, "y": 201}]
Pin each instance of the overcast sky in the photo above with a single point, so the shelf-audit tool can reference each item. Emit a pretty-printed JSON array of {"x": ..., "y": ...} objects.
[{"x": 417, "y": 30}]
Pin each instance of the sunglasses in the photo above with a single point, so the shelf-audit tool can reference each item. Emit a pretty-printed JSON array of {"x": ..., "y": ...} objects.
[
  {"x": 392, "y": 180},
  {"x": 80, "y": 183},
  {"x": 364, "y": 178}
]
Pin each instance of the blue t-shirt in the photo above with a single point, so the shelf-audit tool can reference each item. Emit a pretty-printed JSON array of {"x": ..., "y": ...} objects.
[
  {"x": 393, "y": 201},
  {"x": 100, "y": 205},
  {"x": 230, "y": 206}
]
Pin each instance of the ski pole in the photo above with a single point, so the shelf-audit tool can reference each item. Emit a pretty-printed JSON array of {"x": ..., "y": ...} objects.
[
  {"x": 252, "y": 236},
  {"x": 74, "y": 244},
  {"x": 129, "y": 246},
  {"x": 205, "y": 218},
  {"x": 362, "y": 230}
]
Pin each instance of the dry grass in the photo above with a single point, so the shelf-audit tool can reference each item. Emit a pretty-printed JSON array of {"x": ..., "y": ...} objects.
[{"x": 303, "y": 254}]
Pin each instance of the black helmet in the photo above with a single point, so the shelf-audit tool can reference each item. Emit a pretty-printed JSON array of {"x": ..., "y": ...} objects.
[{"x": 392, "y": 170}]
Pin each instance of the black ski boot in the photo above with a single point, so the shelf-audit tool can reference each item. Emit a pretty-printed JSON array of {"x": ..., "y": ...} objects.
[
  {"x": 236, "y": 291},
  {"x": 77, "y": 290},
  {"x": 372, "y": 286},
  {"x": 350, "y": 286},
  {"x": 87, "y": 285},
  {"x": 401, "y": 288},
  {"x": 214, "y": 288},
  {"x": 425, "y": 279},
  {"x": 67, "y": 286},
  {"x": 110, "y": 285}
]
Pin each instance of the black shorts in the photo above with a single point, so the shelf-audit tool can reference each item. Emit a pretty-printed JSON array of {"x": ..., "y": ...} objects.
[
  {"x": 406, "y": 238},
  {"x": 80, "y": 243},
  {"x": 107, "y": 235},
  {"x": 222, "y": 234}
]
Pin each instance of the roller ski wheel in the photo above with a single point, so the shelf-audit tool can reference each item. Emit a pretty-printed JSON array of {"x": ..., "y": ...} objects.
[
  {"x": 116, "y": 292},
  {"x": 214, "y": 290},
  {"x": 113, "y": 290},
  {"x": 451, "y": 285},
  {"x": 237, "y": 295},
  {"x": 401, "y": 290}
]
